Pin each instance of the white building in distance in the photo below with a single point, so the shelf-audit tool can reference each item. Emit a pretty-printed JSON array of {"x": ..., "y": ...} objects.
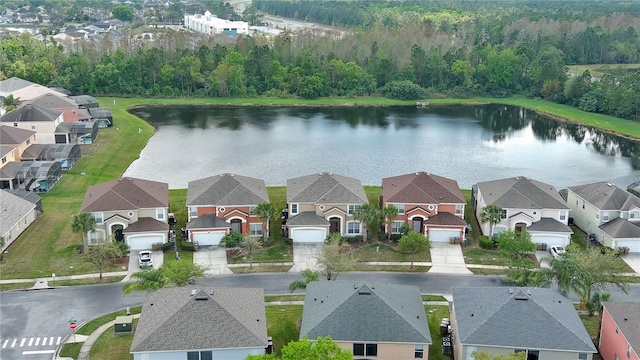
[{"x": 212, "y": 25}]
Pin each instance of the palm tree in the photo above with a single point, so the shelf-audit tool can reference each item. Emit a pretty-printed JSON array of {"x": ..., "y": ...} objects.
[
  {"x": 492, "y": 214},
  {"x": 388, "y": 214},
  {"x": 367, "y": 214},
  {"x": 83, "y": 223},
  {"x": 308, "y": 275},
  {"x": 248, "y": 246},
  {"x": 266, "y": 211},
  {"x": 152, "y": 279}
]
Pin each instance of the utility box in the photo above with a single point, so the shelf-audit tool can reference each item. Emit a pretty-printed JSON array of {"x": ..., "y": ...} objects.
[{"x": 123, "y": 324}]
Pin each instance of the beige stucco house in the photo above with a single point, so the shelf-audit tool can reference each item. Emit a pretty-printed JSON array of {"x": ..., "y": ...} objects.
[
  {"x": 18, "y": 210},
  {"x": 42, "y": 120},
  {"x": 16, "y": 138},
  {"x": 131, "y": 210},
  {"x": 373, "y": 320},
  {"x": 321, "y": 204}
]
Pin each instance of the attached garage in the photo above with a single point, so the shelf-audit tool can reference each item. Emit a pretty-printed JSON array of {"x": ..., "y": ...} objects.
[
  {"x": 207, "y": 237},
  {"x": 144, "y": 242},
  {"x": 442, "y": 235},
  {"x": 633, "y": 245},
  {"x": 550, "y": 240},
  {"x": 308, "y": 235}
]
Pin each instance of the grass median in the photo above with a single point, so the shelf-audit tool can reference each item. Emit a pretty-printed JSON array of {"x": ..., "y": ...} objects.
[{"x": 48, "y": 245}]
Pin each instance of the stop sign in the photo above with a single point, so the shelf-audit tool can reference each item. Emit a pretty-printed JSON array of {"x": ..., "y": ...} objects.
[{"x": 72, "y": 325}]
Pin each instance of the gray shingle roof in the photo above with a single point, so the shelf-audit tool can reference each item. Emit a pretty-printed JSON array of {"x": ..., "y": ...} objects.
[
  {"x": 620, "y": 228},
  {"x": 627, "y": 317},
  {"x": 421, "y": 188},
  {"x": 172, "y": 319},
  {"x": 307, "y": 218},
  {"x": 326, "y": 188},
  {"x": 521, "y": 193},
  {"x": 207, "y": 221},
  {"x": 30, "y": 196},
  {"x": 30, "y": 113},
  {"x": 607, "y": 196},
  {"x": 10, "y": 135},
  {"x": 445, "y": 218},
  {"x": 549, "y": 224},
  {"x": 356, "y": 311},
  {"x": 12, "y": 209},
  {"x": 12, "y": 84},
  {"x": 126, "y": 194},
  {"x": 510, "y": 317},
  {"x": 53, "y": 101},
  {"x": 227, "y": 190},
  {"x": 145, "y": 224}
]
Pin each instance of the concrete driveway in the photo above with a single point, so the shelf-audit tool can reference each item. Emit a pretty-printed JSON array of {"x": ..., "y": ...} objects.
[
  {"x": 447, "y": 259},
  {"x": 540, "y": 256},
  {"x": 305, "y": 256},
  {"x": 633, "y": 260},
  {"x": 213, "y": 259},
  {"x": 158, "y": 260}
]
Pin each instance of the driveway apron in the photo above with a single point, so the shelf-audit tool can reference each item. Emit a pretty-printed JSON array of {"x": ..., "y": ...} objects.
[
  {"x": 540, "y": 256},
  {"x": 447, "y": 259},
  {"x": 213, "y": 259},
  {"x": 158, "y": 260},
  {"x": 305, "y": 256},
  {"x": 633, "y": 260}
]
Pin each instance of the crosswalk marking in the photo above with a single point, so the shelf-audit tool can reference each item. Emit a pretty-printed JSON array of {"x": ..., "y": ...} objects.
[
  {"x": 24, "y": 340},
  {"x": 58, "y": 341},
  {"x": 4, "y": 345},
  {"x": 51, "y": 341},
  {"x": 31, "y": 342},
  {"x": 14, "y": 342},
  {"x": 38, "y": 342}
]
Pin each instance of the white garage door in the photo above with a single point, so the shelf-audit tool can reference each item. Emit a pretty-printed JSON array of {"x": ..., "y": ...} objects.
[
  {"x": 550, "y": 240},
  {"x": 308, "y": 235},
  {"x": 442, "y": 235},
  {"x": 633, "y": 245},
  {"x": 143, "y": 242},
  {"x": 208, "y": 237}
]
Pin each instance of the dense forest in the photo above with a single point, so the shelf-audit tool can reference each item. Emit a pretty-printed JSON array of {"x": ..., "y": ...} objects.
[{"x": 403, "y": 49}]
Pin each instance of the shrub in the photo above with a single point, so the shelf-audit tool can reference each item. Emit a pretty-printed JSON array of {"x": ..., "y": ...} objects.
[
  {"x": 168, "y": 246},
  {"x": 353, "y": 239},
  {"x": 287, "y": 241},
  {"x": 79, "y": 249},
  {"x": 395, "y": 237},
  {"x": 186, "y": 246},
  {"x": 123, "y": 246},
  {"x": 486, "y": 243},
  {"x": 403, "y": 90}
]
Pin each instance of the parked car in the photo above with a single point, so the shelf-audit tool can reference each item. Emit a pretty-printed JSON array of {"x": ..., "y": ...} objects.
[
  {"x": 556, "y": 251},
  {"x": 145, "y": 258}
]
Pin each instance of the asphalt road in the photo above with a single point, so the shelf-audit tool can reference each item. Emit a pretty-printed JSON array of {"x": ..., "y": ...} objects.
[{"x": 43, "y": 315}]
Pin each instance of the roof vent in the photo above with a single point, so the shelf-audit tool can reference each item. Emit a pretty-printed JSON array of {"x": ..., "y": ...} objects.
[
  {"x": 521, "y": 297},
  {"x": 194, "y": 292},
  {"x": 510, "y": 290},
  {"x": 417, "y": 174},
  {"x": 609, "y": 184},
  {"x": 210, "y": 291},
  {"x": 201, "y": 297}
]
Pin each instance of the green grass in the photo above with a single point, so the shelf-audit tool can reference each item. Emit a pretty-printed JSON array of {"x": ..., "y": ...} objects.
[
  {"x": 110, "y": 346},
  {"x": 434, "y": 316},
  {"x": 91, "y": 281},
  {"x": 260, "y": 269},
  {"x": 488, "y": 271},
  {"x": 92, "y": 325},
  {"x": 277, "y": 196},
  {"x": 16, "y": 286},
  {"x": 276, "y": 253},
  {"x": 283, "y": 324},
  {"x": 433, "y": 298},
  {"x": 373, "y": 194},
  {"x": 184, "y": 255},
  {"x": 470, "y": 217},
  {"x": 178, "y": 206},
  {"x": 391, "y": 268},
  {"x": 478, "y": 256},
  {"x": 291, "y": 297},
  {"x": 47, "y": 246},
  {"x": 71, "y": 350},
  {"x": 578, "y": 237},
  {"x": 600, "y": 69},
  {"x": 592, "y": 324},
  {"x": 387, "y": 253}
]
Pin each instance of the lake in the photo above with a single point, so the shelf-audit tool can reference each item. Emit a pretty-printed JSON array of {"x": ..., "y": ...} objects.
[{"x": 465, "y": 143}]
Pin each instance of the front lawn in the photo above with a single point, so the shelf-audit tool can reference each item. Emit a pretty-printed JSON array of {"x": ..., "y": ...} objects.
[
  {"x": 260, "y": 269},
  {"x": 384, "y": 252},
  {"x": 479, "y": 256},
  {"x": 283, "y": 324},
  {"x": 435, "y": 314},
  {"x": 275, "y": 253},
  {"x": 110, "y": 346}
]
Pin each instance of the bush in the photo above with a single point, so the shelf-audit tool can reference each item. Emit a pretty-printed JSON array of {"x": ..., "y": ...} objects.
[
  {"x": 167, "y": 246},
  {"x": 123, "y": 246},
  {"x": 79, "y": 249},
  {"x": 403, "y": 90},
  {"x": 287, "y": 241},
  {"x": 354, "y": 239},
  {"x": 395, "y": 237},
  {"x": 186, "y": 246},
  {"x": 486, "y": 243}
]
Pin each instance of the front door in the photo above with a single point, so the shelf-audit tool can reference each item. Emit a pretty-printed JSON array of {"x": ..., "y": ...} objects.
[
  {"x": 236, "y": 225},
  {"x": 417, "y": 225},
  {"x": 334, "y": 226}
]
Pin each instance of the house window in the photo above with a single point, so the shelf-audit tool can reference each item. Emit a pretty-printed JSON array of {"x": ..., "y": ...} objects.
[
  {"x": 252, "y": 211},
  {"x": 256, "y": 229},
  {"x": 531, "y": 354},
  {"x": 4, "y": 160},
  {"x": 605, "y": 216},
  {"x": 99, "y": 218},
  {"x": 193, "y": 212},
  {"x": 294, "y": 209},
  {"x": 15, "y": 124},
  {"x": 504, "y": 213},
  {"x": 28, "y": 141},
  {"x": 94, "y": 237},
  {"x": 633, "y": 215},
  {"x": 582, "y": 356},
  {"x": 200, "y": 355},
  {"x": 419, "y": 352},
  {"x": 160, "y": 213},
  {"x": 353, "y": 227},
  {"x": 583, "y": 204},
  {"x": 33, "y": 126},
  {"x": 396, "y": 227},
  {"x": 628, "y": 351},
  {"x": 365, "y": 350},
  {"x": 617, "y": 330},
  {"x": 563, "y": 215},
  {"x": 459, "y": 209},
  {"x": 400, "y": 208},
  {"x": 351, "y": 208}
]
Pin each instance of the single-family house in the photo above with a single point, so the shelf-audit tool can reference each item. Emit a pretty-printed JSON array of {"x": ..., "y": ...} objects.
[
  {"x": 225, "y": 201},
  {"x": 323, "y": 203},
  {"x": 12, "y": 84},
  {"x": 620, "y": 331},
  {"x": 526, "y": 204},
  {"x": 17, "y": 139},
  {"x": 610, "y": 213},
  {"x": 201, "y": 323},
  {"x": 131, "y": 210},
  {"x": 64, "y": 104},
  {"x": 31, "y": 92},
  {"x": 18, "y": 210},
  {"x": 42, "y": 120},
  {"x": 429, "y": 204},
  {"x": 374, "y": 320},
  {"x": 498, "y": 320}
]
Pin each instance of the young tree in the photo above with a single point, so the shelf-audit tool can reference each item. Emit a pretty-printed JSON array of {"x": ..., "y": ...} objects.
[
  {"x": 492, "y": 214},
  {"x": 388, "y": 214},
  {"x": 308, "y": 275},
  {"x": 83, "y": 223},
  {"x": 368, "y": 215},
  {"x": 248, "y": 246},
  {"x": 333, "y": 260},
  {"x": 9, "y": 103},
  {"x": 322, "y": 348},
  {"x": 232, "y": 239},
  {"x": 102, "y": 254},
  {"x": 515, "y": 244},
  {"x": 182, "y": 272},
  {"x": 151, "y": 279},
  {"x": 267, "y": 212},
  {"x": 122, "y": 12},
  {"x": 413, "y": 243}
]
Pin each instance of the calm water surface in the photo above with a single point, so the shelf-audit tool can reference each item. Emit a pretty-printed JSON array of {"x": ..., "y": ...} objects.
[{"x": 466, "y": 143}]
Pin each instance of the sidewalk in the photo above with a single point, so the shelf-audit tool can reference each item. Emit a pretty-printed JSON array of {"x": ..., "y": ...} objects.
[{"x": 69, "y": 277}]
